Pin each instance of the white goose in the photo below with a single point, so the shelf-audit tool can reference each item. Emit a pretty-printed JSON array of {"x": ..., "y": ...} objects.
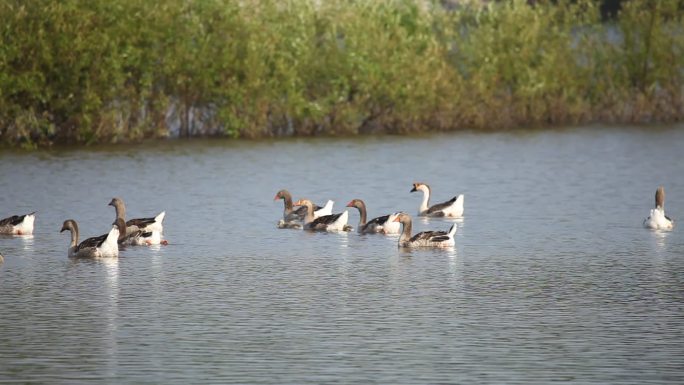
[
  {"x": 140, "y": 231},
  {"x": 18, "y": 224},
  {"x": 96, "y": 247},
  {"x": 452, "y": 208},
  {"x": 657, "y": 219},
  {"x": 330, "y": 223},
  {"x": 291, "y": 217},
  {"x": 425, "y": 238},
  {"x": 384, "y": 224}
]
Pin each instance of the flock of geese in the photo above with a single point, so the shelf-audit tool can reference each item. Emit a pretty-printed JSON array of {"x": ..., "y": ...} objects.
[
  {"x": 138, "y": 231},
  {"x": 315, "y": 218},
  {"x": 308, "y": 216}
]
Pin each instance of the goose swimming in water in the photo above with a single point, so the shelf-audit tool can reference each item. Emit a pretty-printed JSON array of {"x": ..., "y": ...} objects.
[
  {"x": 657, "y": 220},
  {"x": 96, "y": 247},
  {"x": 291, "y": 217},
  {"x": 330, "y": 223},
  {"x": 384, "y": 224},
  {"x": 425, "y": 238},
  {"x": 18, "y": 224},
  {"x": 452, "y": 208},
  {"x": 140, "y": 231}
]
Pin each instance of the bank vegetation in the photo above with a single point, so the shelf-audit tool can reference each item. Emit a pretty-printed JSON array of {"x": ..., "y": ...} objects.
[{"x": 93, "y": 71}]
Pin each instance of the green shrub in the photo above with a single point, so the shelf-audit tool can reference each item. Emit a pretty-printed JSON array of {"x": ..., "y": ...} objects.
[{"x": 86, "y": 71}]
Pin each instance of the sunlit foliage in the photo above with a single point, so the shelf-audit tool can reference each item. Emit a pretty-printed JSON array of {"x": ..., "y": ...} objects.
[{"x": 87, "y": 71}]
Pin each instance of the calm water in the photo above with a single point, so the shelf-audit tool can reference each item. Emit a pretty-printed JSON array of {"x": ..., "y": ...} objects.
[{"x": 553, "y": 278}]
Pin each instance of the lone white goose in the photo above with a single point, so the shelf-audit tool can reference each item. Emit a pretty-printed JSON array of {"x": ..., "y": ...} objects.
[
  {"x": 18, "y": 224},
  {"x": 104, "y": 246},
  {"x": 384, "y": 224},
  {"x": 452, "y": 208},
  {"x": 657, "y": 220},
  {"x": 425, "y": 238}
]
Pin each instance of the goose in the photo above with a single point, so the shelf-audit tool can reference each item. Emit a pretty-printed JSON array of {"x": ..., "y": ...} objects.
[
  {"x": 658, "y": 220},
  {"x": 332, "y": 222},
  {"x": 18, "y": 224},
  {"x": 96, "y": 247},
  {"x": 150, "y": 229},
  {"x": 384, "y": 224},
  {"x": 142, "y": 238},
  {"x": 290, "y": 215},
  {"x": 425, "y": 238},
  {"x": 452, "y": 208},
  {"x": 2, "y": 259}
]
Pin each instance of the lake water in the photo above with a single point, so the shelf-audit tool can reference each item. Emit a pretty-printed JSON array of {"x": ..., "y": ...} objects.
[{"x": 553, "y": 278}]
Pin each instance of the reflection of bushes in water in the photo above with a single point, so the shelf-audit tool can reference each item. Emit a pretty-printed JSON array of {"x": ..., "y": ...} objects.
[{"x": 112, "y": 70}]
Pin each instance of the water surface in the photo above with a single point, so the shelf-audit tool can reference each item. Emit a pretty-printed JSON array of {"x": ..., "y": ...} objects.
[{"x": 553, "y": 277}]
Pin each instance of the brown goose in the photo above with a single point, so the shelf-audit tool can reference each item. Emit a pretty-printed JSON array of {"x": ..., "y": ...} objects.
[
  {"x": 452, "y": 208},
  {"x": 18, "y": 224},
  {"x": 96, "y": 247},
  {"x": 332, "y": 222},
  {"x": 140, "y": 231},
  {"x": 384, "y": 224},
  {"x": 291, "y": 216},
  {"x": 425, "y": 238}
]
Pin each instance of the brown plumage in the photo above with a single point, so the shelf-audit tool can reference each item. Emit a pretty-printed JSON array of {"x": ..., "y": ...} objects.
[
  {"x": 289, "y": 213},
  {"x": 660, "y": 198}
]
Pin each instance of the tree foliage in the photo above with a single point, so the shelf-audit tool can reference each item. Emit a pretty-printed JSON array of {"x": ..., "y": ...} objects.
[{"x": 85, "y": 71}]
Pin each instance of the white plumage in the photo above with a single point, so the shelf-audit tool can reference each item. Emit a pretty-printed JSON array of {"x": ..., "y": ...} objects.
[
  {"x": 657, "y": 220},
  {"x": 325, "y": 210},
  {"x": 18, "y": 224}
]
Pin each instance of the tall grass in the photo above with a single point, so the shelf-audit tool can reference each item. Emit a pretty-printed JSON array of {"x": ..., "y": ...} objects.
[{"x": 89, "y": 71}]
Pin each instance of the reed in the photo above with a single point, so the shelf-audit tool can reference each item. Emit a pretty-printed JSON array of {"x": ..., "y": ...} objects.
[{"x": 92, "y": 71}]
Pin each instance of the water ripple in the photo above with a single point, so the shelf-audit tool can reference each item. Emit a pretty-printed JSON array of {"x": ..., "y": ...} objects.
[{"x": 549, "y": 281}]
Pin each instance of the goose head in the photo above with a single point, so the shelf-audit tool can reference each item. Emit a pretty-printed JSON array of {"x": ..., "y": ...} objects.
[
  {"x": 119, "y": 207},
  {"x": 358, "y": 203},
  {"x": 116, "y": 202},
  {"x": 304, "y": 202},
  {"x": 402, "y": 217},
  {"x": 418, "y": 186},
  {"x": 70, "y": 225},
  {"x": 282, "y": 194}
]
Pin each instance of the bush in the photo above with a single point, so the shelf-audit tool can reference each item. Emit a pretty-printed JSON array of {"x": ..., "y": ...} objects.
[{"x": 86, "y": 71}]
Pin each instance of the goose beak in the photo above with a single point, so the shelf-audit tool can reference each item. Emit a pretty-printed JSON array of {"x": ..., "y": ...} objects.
[
  {"x": 413, "y": 189},
  {"x": 397, "y": 219},
  {"x": 350, "y": 204},
  {"x": 276, "y": 197}
]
